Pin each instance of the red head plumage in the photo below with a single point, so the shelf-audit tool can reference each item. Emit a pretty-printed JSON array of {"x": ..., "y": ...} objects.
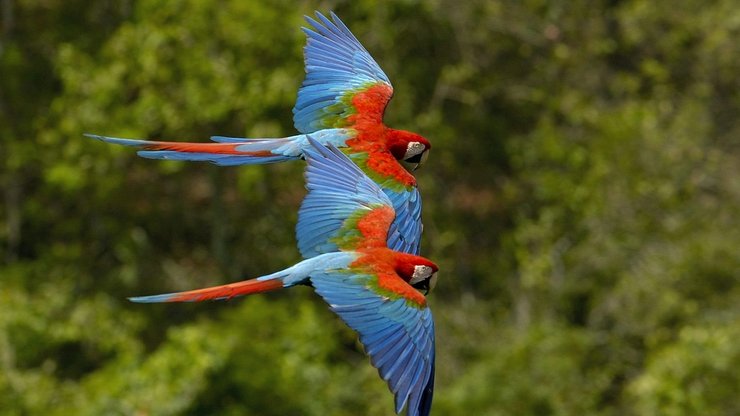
[{"x": 407, "y": 146}]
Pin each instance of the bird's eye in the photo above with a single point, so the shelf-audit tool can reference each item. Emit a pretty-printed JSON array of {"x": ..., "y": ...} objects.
[
  {"x": 427, "y": 285},
  {"x": 423, "y": 279},
  {"x": 414, "y": 152},
  {"x": 417, "y": 159},
  {"x": 421, "y": 273}
]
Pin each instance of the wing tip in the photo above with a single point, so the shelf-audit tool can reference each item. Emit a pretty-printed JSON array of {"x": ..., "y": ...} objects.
[
  {"x": 425, "y": 402},
  {"x": 310, "y": 20}
]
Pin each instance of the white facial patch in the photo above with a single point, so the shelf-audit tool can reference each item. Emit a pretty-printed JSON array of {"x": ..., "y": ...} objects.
[
  {"x": 420, "y": 273},
  {"x": 413, "y": 149}
]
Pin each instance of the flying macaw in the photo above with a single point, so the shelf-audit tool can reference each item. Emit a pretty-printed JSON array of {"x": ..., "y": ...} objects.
[
  {"x": 378, "y": 292},
  {"x": 341, "y": 102}
]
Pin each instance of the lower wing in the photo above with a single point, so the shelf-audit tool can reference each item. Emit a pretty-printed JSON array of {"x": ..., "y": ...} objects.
[{"x": 397, "y": 333}]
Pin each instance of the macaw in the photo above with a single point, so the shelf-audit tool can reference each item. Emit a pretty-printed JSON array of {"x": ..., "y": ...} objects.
[
  {"x": 378, "y": 292},
  {"x": 341, "y": 102}
]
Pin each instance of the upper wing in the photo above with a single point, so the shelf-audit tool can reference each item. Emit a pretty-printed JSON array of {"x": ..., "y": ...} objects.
[
  {"x": 342, "y": 79},
  {"x": 395, "y": 326},
  {"x": 344, "y": 209}
]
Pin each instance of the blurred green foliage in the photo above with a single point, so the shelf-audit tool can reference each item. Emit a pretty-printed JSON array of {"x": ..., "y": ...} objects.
[{"x": 581, "y": 199}]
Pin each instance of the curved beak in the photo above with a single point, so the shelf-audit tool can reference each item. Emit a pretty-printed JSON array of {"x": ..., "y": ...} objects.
[
  {"x": 424, "y": 157},
  {"x": 432, "y": 282}
]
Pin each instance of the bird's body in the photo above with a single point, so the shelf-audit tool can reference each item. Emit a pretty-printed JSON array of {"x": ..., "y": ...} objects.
[
  {"x": 341, "y": 102},
  {"x": 342, "y": 232},
  {"x": 377, "y": 265}
]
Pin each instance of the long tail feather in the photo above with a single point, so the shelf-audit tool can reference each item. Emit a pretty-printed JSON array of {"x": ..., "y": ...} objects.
[
  {"x": 226, "y": 151},
  {"x": 294, "y": 275},
  {"x": 224, "y": 292},
  {"x": 227, "y": 139}
]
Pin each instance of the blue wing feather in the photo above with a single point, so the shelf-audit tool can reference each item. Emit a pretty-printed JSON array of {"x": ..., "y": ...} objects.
[
  {"x": 336, "y": 66},
  {"x": 337, "y": 189},
  {"x": 399, "y": 338},
  {"x": 405, "y": 231}
]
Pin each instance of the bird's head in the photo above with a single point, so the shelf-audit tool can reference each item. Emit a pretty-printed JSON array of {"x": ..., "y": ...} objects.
[
  {"x": 409, "y": 147},
  {"x": 418, "y": 272}
]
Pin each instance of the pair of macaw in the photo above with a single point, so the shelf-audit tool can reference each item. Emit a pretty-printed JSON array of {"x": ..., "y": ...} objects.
[{"x": 359, "y": 226}]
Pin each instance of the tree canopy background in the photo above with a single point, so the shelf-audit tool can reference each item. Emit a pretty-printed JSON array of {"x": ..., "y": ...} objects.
[{"x": 581, "y": 200}]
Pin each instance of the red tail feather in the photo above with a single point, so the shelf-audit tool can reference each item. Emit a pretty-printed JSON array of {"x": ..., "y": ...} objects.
[
  {"x": 212, "y": 148},
  {"x": 229, "y": 291}
]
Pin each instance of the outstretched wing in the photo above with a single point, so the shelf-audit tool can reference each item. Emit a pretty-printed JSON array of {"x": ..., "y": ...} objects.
[
  {"x": 342, "y": 82},
  {"x": 394, "y": 325},
  {"x": 344, "y": 209}
]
